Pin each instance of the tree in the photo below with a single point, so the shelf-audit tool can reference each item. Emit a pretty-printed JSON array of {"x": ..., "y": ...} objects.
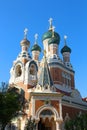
[
  {"x": 10, "y": 104},
  {"x": 30, "y": 124},
  {"x": 4, "y": 86},
  {"x": 77, "y": 123}
]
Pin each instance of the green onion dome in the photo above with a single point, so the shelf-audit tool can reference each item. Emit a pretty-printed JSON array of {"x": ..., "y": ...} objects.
[
  {"x": 49, "y": 34},
  {"x": 25, "y": 42},
  {"x": 65, "y": 49},
  {"x": 54, "y": 40},
  {"x": 36, "y": 47}
]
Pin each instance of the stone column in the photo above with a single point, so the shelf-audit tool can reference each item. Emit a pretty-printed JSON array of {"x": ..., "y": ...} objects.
[
  {"x": 36, "y": 121},
  {"x": 60, "y": 107},
  {"x": 57, "y": 126},
  {"x": 36, "y": 126}
]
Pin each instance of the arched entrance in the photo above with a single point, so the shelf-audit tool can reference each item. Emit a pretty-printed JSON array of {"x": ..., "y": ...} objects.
[
  {"x": 46, "y": 120},
  {"x": 46, "y": 124}
]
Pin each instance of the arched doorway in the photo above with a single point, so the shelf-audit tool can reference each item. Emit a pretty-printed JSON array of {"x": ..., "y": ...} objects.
[
  {"x": 46, "y": 124},
  {"x": 46, "y": 120}
]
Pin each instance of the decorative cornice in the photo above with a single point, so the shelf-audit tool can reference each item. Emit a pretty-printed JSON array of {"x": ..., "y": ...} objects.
[
  {"x": 46, "y": 95},
  {"x": 61, "y": 65}
]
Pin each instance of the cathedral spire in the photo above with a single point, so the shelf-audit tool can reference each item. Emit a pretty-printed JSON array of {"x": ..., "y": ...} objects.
[{"x": 45, "y": 79}]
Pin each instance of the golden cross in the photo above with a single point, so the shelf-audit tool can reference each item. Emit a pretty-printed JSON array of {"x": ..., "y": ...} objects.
[{"x": 45, "y": 53}]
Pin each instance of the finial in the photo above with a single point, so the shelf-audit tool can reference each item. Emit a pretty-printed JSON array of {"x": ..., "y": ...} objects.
[
  {"x": 25, "y": 33},
  {"x": 36, "y": 37},
  {"x": 50, "y": 22},
  {"x": 44, "y": 53},
  {"x": 53, "y": 28},
  {"x": 65, "y": 37}
]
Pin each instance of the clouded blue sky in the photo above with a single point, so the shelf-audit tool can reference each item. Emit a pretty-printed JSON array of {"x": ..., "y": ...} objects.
[{"x": 69, "y": 18}]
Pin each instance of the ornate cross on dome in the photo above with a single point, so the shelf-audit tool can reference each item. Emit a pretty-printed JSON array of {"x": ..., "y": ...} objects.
[
  {"x": 25, "y": 32},
  {"x": 53, "y": 28},
  {"x": 65, "y": 37},
  {"x": 36, "y": 37},
  {"x": 50, "y": 22}
]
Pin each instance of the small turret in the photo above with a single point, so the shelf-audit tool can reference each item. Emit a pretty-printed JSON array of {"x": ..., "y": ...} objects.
[
  {"x": 53, "y": 43},
  {"x": 66, "y": 52},
  {"x": 36, "y": 49},
  {"x": 24, "y": 56},
  {"x": 25, "y": 43}
]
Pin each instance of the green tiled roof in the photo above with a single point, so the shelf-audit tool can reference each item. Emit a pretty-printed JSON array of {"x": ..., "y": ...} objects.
[
  {"x": 36, "y": 47},
  {"x": 49, "y": 34},
  {"x": 54, "y": 40},
  {"x": 65, "y": 49}
]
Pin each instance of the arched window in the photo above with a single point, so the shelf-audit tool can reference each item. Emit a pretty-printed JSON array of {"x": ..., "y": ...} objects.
[
  {"x": 18, "y": 71},
  {"x": 32, "y": 69}
]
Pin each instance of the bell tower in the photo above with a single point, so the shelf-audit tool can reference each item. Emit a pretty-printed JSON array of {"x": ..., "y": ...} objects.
[{"x": 24, "y": 70}]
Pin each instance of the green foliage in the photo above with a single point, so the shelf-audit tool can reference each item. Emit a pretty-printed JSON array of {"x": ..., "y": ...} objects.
[
  {"x": 10, "y": 104},
  {"x": 30, "y": 124},
  {"x": 78, "y": 123},
  {"x": 3, "y": 87}
]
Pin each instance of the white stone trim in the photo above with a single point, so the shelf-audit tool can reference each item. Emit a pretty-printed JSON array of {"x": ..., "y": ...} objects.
[
  {"x": 47, "y": 97},
  {"x": 44, "y": 107},
  {"x": 60, "y": 108},
  {"x": 33, "y": 107},
  {"x": 60, "y": 67}
]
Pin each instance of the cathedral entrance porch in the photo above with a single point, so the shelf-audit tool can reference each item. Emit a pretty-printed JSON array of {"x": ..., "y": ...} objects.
[
  {"x": 46, "y": 124},
  {"x": 48, "y": 119}
]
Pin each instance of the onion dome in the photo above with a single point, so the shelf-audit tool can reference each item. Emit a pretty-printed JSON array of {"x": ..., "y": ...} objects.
[
  {"x": 36, "y": 47},
  {"x": 25, "y": 41},
  {"x": 54, "y": 40},
  {"x": 50, "y": 32},
  {"x": 49, "y": 35},
  {"x": 65, "y": 48}
]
